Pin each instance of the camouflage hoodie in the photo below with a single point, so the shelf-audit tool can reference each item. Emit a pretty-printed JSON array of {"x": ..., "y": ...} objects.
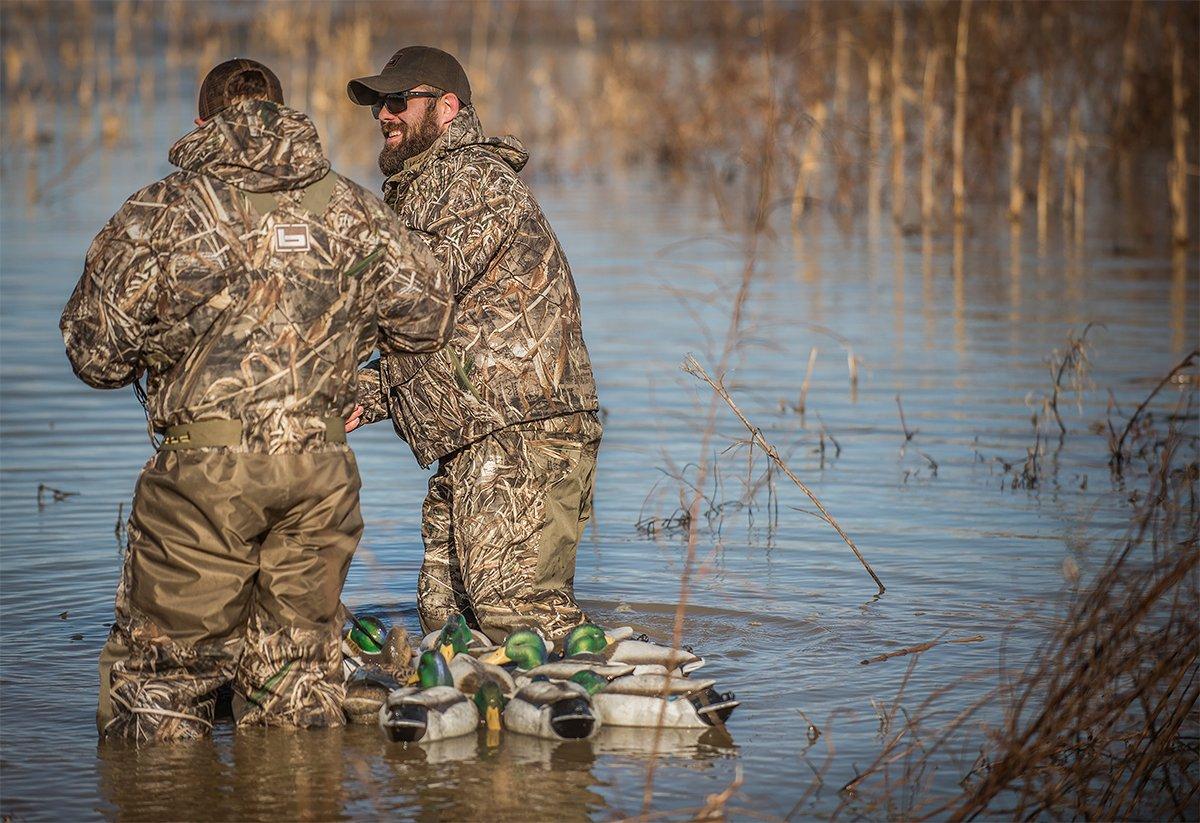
[
  {"x": 516, "y": 353},
  {"x": 243, "y": 295}
]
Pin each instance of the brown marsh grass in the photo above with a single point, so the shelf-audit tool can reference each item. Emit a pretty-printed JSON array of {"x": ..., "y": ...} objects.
[{"x": 919, "y": 105}]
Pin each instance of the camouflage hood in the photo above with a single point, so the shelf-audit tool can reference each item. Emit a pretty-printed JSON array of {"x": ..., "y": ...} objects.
[
  {"x": 256, "y": 146},
  {"x": 241, "y": 294},
  {"x": 465, "y": 132}
]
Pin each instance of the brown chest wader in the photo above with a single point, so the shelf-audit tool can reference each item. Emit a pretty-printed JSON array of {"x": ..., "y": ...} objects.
[{"x": 234, "y": 572}]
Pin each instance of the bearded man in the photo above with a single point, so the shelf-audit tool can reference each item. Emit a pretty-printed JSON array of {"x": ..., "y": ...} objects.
[{"x": 507, "y": 408}]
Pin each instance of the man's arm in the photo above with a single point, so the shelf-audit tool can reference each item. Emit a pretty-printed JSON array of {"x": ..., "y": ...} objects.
[
  {"x": 415, "y": 307},
  {"x": 414, "y": 311},
  {"x": 105, "y": 321},
  {"x": 477, "y": 214}
]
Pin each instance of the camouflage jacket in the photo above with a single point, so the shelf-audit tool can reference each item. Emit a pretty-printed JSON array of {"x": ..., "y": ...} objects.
[
  {"x": 516, "y": 353},
  {"x": 251, "y": 284}
]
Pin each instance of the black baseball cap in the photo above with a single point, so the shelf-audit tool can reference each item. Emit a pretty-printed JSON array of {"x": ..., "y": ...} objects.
[
  {"x": 231, "y": 79},
  {"x": 412, "y": 66}
]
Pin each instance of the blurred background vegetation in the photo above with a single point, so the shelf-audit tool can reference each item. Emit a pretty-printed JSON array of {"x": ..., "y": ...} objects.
[{"x": 914, "y": 109}]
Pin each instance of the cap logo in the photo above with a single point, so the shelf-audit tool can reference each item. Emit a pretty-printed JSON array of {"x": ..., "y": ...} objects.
[{"x": 292, "y": 238}]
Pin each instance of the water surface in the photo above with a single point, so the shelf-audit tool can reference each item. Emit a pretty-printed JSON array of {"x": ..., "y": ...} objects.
[{"x": 777, "y": 604}]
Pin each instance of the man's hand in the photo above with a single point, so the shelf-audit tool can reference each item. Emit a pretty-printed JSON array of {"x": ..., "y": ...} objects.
[{"x": 355, "y": 419}]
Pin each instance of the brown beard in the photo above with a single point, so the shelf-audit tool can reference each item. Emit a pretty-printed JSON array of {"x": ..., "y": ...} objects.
[{"x": 416, "y": 140}]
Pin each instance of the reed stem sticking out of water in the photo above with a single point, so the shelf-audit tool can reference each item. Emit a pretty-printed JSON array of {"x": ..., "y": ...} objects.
[
  {"x": 899, "y": 92},
  {"x": 960, "y": 111},
  {"x": 931, "y": 110},
  {"x": 1016, "y": 186},
  {"x": 693, "y": 367},
  {"x": 1178, "y": 167}
]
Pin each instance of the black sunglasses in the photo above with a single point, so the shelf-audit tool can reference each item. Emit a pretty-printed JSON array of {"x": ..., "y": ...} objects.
[{"x": 398, "y": 101}]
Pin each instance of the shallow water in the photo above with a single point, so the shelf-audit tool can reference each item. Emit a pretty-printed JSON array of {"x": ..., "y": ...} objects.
[{"x": 780, "y": 608}]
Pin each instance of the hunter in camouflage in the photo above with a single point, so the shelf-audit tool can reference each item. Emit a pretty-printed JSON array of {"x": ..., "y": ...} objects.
[
  {"x": 246, "y": 287},
  {"x": 508, "y": 407}
]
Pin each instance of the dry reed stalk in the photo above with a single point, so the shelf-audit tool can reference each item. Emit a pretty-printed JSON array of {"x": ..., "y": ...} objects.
[
  {"x": 808, "y": 163},
  {"x": 693, "y": 367},
  {"x": 1068, "y": 184},
  {"x": 960, "y": 110},
  {"x": 899, "y": 92},
  {"x": 1118, "y": 457},
  {"x": 812, "y": 361},
  {"x": 1177, "y": 173},
  {"x": 932, "y": 117},
  {"x": 1016, "y": 192},
  {"x": 841, "y": 109},
  {"x": 1078, "y": 188},
  {"x": 1045, "y": 147},
  {"x": 874, "y": 120},
  {"x": 918, "y": 648}
]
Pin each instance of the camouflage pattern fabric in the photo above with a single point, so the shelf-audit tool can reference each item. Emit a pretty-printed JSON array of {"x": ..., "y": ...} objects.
[
  {"x": 239, "y": 298},
  {"x": 516, "y": 353},
  {"x": 247, "y": 286},
  {"x": 271, "y": 543},
  {"x": 502, "y": 524}
]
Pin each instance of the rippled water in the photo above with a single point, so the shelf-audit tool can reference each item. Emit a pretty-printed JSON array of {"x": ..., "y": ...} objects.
[{"x": 782, "y": 610}]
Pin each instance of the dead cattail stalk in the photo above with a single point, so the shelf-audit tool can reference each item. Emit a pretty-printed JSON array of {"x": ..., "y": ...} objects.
[
  {"x": 1046, "y": 146},
  {"x": 812, "y": 360},
  {"x": 1016, "y": 188},
  {"x": 874, "y": 120},
  {"x": 809, "y": 162},
  {"x": 1078, "y": 188},
  {"x": 1178, "y": 167},
  {"x": 1068, "y": 185},
  {"x": 692, "y": 366},
  {"x": 920, "y": 647},
  {"x": 932, "y": 114},
  {"x": 899, "y": 90},
  {"x": 908, "y": 434},
  {"x": 960, "y": 110},
  {"x": 1118, "y": 451},
  {"x": 841, "y": 108}
]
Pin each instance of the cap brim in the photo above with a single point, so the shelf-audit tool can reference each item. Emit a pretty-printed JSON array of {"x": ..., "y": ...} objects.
[{"x": 365, "y": 91}]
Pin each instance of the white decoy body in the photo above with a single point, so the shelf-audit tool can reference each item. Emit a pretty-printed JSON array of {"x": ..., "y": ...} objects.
[
  {"x": 555, "y": 711},
  {"x": 411, "y": 714}
]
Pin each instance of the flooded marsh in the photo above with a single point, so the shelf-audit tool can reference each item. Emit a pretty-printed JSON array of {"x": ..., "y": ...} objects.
[{"x": 954, "y": 393}]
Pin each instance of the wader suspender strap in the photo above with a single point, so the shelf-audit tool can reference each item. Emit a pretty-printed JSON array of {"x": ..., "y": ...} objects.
[{"x": 315, "y": 198}]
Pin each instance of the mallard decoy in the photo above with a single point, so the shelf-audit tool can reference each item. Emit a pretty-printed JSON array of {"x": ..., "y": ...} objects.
[
  {"x": 456, "y": 637},
  {"x": 652, "y": 700},
  {"x": 490, "y": 702},
  {"x": 587, "y": 641},
  {"x": 524, "y": 647},
  {"x": 552, "y": 710},
  {"x": 431, "y": 710},
  {"x": 367, "y": 689},
  {"x": 370, "y": 643},
  {"x": 470, "y": 675}
]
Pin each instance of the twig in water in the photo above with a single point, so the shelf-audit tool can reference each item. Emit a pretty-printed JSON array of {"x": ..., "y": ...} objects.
[
  {"x": 812, "y": 360},
  {"x": 693, "y": 367},
  {"x": 714, "y": 808},
  {"x": 908, "y": 435},
  {"x": 921, "y": 647},
  {"x": 1118, "y": 451},
  {"x": 1075, "y": 358},
  {"x": 56, "y": 495}
]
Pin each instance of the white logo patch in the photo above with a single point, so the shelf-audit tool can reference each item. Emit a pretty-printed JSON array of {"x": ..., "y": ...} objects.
[{"x": 291, "y": 238}]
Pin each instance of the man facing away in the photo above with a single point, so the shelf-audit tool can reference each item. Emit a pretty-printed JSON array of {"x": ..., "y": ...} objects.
[
  {"x": 247, "y": 286},
  {"x": 508, "y": 407}
]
